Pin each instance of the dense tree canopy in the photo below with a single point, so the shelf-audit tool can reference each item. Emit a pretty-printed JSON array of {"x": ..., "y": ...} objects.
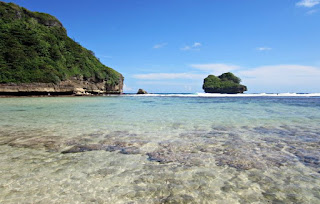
[
  {"x": 230, "y": 77},
  {"x": 34, "y": 47}
]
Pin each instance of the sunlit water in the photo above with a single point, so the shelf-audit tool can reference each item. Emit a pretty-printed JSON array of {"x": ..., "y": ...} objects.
[{"x": 160, "y": 149}]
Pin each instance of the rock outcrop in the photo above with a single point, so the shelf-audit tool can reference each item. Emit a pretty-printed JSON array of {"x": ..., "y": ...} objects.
[
  {"x": 225, "y": 83},
  {"x": 73, "y": 86},
  {"x": 116, "y": 88},
  {"x": 141, "y": 91}
]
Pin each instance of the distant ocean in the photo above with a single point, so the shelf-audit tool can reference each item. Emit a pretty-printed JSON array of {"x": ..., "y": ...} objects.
[
  {"x": 229, "y": 95},
  {"x": 161, "y": 148}
]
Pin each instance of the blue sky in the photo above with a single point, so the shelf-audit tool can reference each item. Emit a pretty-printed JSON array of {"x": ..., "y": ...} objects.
[{"x": 171, "y": 45}]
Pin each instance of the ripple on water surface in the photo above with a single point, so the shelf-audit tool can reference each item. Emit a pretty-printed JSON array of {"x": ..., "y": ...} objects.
[{"x": 159, "y": 150}]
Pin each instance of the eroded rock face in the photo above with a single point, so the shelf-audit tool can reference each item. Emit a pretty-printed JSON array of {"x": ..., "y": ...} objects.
[
  {"x": 116, "y": 88},
  {"x": 77, "y": 86},
  {"x": 141, "y": 91},
  {"x": 230, "y": 90}
]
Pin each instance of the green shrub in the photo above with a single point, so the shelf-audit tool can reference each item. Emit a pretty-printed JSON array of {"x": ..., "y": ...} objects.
[{"x": 229, "y": 77}]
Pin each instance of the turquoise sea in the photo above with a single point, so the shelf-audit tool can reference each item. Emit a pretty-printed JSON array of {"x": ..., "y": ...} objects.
[{"x": 161, "y": 148}]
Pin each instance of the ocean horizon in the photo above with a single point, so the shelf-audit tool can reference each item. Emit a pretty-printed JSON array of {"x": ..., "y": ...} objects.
[{"x": 201, "y": 94}]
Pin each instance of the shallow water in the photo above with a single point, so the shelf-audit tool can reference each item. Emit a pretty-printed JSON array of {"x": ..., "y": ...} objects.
[{"x": 160, "y": 149}]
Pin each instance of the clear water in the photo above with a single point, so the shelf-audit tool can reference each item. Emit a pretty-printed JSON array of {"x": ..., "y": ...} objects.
[{"x": 160, "y": 149}]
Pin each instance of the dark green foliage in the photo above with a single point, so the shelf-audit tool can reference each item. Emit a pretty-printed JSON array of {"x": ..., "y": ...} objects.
[
  {"x": 225, "y": 83},
  {"x": 229, "y": 77},
  {"x": 34, "y": 47}
]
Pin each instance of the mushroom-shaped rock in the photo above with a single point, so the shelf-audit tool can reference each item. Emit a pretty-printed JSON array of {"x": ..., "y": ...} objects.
[{"x": 225, "y": 83}]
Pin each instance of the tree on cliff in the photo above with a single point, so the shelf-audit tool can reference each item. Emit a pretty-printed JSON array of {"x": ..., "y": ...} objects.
[{"x": 34, "y": 47}]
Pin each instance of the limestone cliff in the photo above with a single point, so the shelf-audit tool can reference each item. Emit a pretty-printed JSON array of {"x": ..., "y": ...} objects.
[
  {"x": 37, "y": 57},
  {"x": 68, "y": 87}
]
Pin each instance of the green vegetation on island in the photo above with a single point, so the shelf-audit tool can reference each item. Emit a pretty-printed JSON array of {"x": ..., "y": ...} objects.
[
  {"x": 225, "y": 83},
  {"x": 34, "y": 47}
]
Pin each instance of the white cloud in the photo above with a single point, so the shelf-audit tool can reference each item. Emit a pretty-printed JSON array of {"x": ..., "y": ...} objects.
[
  {"x": 171, "y": 86},
  {"x": 272, "y": 78},
  {"x": 161, "y": 45},
  {"x": 126, "y": 88},
  {"x": 264, "y": 48},
  {"x": 308, "y": 3},
  {"x": 194, "y": 46},
  {"x": 312, "y": 12},
  {"x": 186, "y": 48},
  {"x": 166, "y": 83},
  {"x": 162, "y": 76},
  {"x": 282, "y": 77},
  {"x": 205, "y": 69},
  {"x": 215, "y": 69},
  {"x": 283, "y": 71}
]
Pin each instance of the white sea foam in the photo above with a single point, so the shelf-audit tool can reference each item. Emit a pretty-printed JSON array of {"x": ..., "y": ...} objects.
[{"x": 212, "y": 95}]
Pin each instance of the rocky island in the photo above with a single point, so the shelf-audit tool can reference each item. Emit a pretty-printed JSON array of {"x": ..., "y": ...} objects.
[
  {"x": 38, "y": 58},
  {"x": 141, "y": 91},
  {"x": 225, "y": 83}
]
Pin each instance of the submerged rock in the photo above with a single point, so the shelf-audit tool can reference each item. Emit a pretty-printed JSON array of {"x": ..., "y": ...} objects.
[
  {"x": 253, "y": 148},
  {"x": 178, "y": 199},
  {"x": 97, "y": 147},
  {"x": 110, "y": 144},
  {"x": 245, "y": 155},
  {"x": 84, "y": 148},
  {"x": 130, "y": 150},
  {"x": 186, "y": 154},
  {"x": 309, "y": 157},
  {"x": 49, "y": 143}
]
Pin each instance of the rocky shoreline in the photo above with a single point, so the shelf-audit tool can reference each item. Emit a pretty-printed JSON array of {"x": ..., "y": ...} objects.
[{"x": 74, "y": 86}]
